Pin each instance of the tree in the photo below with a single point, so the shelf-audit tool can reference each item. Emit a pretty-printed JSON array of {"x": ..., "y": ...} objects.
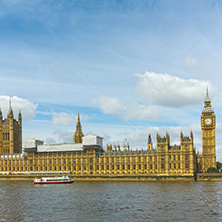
[
  {"x": 219, "y": 165},
  {"x": 212, "y": 170}
]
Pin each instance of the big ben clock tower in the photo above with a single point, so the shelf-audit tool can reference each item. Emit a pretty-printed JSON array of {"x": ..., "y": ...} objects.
[{"x": 208, "y": 135}]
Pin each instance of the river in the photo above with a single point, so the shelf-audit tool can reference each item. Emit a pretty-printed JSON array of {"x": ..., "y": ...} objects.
[{"x": 111, "y": 201}]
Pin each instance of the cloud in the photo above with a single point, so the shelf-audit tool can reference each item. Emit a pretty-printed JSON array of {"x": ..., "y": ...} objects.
[
  {"x": 171, "y": 91},
  {"x": 190, "y": 62},
  {"x": 127, "y": 111},
  {"x": 64, "y": 136},
  {"x": 27, "y": 108},
  {"x": 64, "y": 119}
]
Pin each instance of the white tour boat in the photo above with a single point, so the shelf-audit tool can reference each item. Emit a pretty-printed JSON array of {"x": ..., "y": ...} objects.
[{"x": 52, "y": 180}]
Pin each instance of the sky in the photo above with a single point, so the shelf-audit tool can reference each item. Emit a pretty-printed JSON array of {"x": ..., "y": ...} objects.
[{"x": 129, "y": 68}]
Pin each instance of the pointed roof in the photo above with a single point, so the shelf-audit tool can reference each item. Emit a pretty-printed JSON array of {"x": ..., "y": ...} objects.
[
  {"x": 207, "y": 99},
  {"x": 207, "y": 103}
]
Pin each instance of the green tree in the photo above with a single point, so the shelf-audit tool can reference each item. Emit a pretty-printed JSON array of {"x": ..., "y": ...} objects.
[
  {"x": 212, "y": 170},
  {"x": 219, "y": 165}
]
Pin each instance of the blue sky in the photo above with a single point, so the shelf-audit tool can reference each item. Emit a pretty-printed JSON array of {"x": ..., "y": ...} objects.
[{"x": 129, "y": 68}]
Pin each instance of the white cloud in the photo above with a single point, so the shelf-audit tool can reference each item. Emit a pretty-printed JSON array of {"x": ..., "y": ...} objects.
[
  {"x": 127, "y": 111},
  {"x": 190, "y": 62},
  {"x": 64, "y": 136},
  {"x": 27, "y": 108},
  {"x": 109, "y": 105},
  {"x": 172, "y": 91},
  {"x": 64, "y": 119}
]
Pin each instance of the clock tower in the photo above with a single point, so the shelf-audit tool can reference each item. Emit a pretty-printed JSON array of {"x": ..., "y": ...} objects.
[{"x": 208, "y": 135}]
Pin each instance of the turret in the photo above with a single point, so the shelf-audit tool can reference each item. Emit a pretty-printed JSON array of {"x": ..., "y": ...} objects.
[
  {"x": 20, "y": 118},
  {"x": 78, "y": 134},
  {"x": 149, "y": 144}
]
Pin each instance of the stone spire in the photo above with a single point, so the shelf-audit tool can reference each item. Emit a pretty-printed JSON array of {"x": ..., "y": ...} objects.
[
  {"x": 149, "y": 139},
  {"x": 20, "y": 117},
  {"x": 207, "y": 103},
  {"x": 10, "y": 113},
  {"x": 78, "y": 134}
]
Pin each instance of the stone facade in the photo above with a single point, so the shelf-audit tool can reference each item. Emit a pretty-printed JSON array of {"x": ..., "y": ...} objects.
[
  {"x": 10, "y": 134},
  {"x": 86, "y": 155}
]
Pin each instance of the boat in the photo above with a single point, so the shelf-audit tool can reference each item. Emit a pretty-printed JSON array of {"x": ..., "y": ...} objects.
[{"x": 53, "y": 180}]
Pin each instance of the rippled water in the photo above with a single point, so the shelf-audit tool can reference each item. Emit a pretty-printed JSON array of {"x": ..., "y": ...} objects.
[{"x": 111, "y": 201}]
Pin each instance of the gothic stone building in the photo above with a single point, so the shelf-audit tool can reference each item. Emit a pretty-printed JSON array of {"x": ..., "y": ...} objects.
[{"x": 87, "y": 156}]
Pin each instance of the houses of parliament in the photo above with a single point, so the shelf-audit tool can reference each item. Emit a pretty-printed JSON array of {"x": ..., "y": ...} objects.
[{"x": 86, "y": 155}]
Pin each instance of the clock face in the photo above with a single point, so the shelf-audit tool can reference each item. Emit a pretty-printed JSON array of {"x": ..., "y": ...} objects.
[{"x": 208, "y": 121}]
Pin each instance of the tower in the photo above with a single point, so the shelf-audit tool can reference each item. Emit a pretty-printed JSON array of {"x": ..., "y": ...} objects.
[
  {"x": 10, "y": 133},
  {"x": 78, "y": 134},
  {"x": 208, "y": 135}
]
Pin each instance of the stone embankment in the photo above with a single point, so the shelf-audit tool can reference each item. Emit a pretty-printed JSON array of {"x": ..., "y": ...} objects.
[{"x": 134, "y": 177}]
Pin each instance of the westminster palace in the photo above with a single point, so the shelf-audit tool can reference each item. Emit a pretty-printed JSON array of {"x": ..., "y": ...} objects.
[{"x": 86, "y": 155}]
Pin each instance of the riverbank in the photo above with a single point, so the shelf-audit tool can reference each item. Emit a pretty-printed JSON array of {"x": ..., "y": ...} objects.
[{"x": 134, "y": 177}]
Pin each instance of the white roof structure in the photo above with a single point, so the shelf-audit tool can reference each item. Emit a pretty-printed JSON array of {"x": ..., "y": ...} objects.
[
  {"x": 91, "y": 140},
  {"x": 31, "y": 143},
  {"x": 60, "y": 147},
  {"x": 88, "y": 141}
]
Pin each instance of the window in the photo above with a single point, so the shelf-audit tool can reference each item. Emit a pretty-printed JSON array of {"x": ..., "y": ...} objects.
[
  {"x": 144, "y": 159},
  {"x": 91, "y": 167},
  {"x": 145, "y": 166},
  {"x": 151, "y": 159},
  {"x": 174, "y": 157},
  {"x": 84, "y": 160},
  {"x": 91, "y": 160},
  {"x": 139, "y": 167},
  {"x": 187, "y": 165},
  {"x": 151, "y": 166},
  {"x": 178, "y": 157},
  {"x": 123, "y": 159},
  {"x": 102, "y": 160},
  {"x": 79, "y": 160},
  {"x": 186, "y": 147},
  {"x": 162, "y": 166},
  {"x": 162, "y": 158},
  {"x": 162, "y": 149},
  {"x": 107, "y": 167},
  {"x": 139, "y": 159},
  {"x": 107, "y": 160},
  {"x": 179, "y": 166},
  {"x": 128, "y": 167},
  {"x": 123, "y": 167},
  {"x": 186, "y": 157},
  {"x": 134, "y": 159}
]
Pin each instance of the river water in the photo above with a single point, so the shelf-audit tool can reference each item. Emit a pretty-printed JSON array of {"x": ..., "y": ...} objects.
[{"x": 111, "y": 201}]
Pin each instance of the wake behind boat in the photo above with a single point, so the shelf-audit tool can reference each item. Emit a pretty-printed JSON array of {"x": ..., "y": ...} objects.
[{"x": 52, "y": 180}]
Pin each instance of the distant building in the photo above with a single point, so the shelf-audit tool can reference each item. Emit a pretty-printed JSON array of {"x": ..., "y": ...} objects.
[
  {"x": 10, "y": 134},
  {"x": 87, "y": 156}
]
